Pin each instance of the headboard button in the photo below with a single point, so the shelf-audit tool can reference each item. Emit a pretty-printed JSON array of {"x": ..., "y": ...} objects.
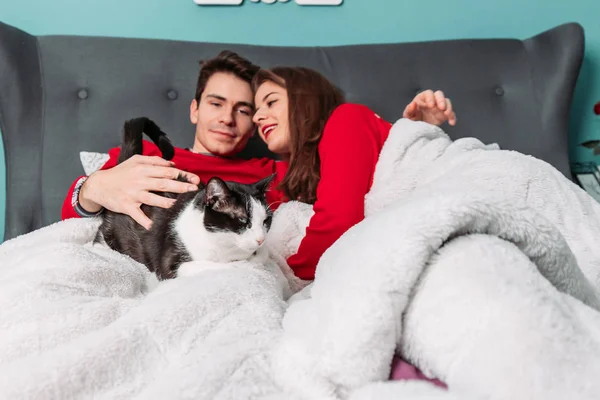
[
  {"x": 499, "y": 91},
  {"x": 172, "y": 94},
  {"x": 82, "y": 94}
]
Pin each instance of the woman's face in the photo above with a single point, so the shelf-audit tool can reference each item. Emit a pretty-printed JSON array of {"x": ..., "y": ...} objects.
[{"x": 271, "y": 117}]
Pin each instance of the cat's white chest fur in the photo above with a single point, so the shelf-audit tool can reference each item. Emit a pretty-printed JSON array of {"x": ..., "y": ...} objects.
[
  {"x": 192, "y": 268},
  {"x": 259, "y": 261},
  {"x": 196, "y": 267}
]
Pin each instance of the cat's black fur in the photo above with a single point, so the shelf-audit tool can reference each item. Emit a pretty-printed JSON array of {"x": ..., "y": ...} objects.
[{"x": 225, "y": 206}]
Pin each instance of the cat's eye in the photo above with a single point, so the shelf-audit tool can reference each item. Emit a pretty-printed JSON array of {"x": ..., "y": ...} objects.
[
  {"x": 267, "y": 221},
  {"x": 243, "y": 220}
]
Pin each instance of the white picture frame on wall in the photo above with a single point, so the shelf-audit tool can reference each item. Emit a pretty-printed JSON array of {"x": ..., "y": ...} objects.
[
  {"x": 239, "y": 2},
  {"x": 319, "y": 2},
  {"x": 219, "y": 2}
]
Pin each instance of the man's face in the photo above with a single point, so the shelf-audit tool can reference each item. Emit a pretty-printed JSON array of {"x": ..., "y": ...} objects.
[{"x": 223, "y": 116}]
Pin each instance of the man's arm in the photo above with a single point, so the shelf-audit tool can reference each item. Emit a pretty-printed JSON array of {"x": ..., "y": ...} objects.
[
  {"x": 68, "y": 208},
  {"x": 125, "y": 187}
]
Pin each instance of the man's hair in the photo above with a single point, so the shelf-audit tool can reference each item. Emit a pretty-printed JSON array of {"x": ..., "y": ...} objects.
[{"x": 226, "y": 61}]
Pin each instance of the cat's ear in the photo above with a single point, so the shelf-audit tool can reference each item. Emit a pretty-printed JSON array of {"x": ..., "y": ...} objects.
[
  {"x": 262, "y": 185},
  {"x": 217, "y": 194}
]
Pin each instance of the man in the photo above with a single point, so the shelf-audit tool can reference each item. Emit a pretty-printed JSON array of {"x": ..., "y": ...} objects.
[{"x": 222, "y": 110}]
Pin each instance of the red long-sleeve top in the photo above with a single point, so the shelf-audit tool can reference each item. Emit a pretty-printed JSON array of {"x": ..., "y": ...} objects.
[{"x": 349, "y": 149}]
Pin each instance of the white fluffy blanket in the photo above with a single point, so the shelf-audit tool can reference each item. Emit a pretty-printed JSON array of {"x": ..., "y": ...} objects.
[{"x": 478, "y": 265}]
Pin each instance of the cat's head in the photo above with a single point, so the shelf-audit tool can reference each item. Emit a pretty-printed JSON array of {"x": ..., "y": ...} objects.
[{"x": 236, "y": 216}]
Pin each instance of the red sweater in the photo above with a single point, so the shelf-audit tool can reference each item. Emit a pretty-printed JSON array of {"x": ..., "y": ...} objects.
[
  {"x": 349, "y": 149},
  {"x": 205, "y": 166}
]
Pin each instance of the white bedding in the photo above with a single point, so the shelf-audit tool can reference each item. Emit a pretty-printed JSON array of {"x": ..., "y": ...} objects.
[{"x": 478, "y": 265}]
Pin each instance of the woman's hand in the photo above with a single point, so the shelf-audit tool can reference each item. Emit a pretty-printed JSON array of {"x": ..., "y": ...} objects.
[{"x": 430, "y": 107}]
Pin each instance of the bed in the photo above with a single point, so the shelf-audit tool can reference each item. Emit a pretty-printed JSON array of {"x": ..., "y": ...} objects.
[
  {"x": 485, "y": 277},
  {"x": 64, "y": 94}
]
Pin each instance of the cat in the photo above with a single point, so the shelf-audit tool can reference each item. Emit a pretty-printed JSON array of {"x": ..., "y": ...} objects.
[{"x": 221, "y": 222}]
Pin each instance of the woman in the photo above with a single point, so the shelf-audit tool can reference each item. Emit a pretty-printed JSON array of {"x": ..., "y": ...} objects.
[{"x": 332, "y": 148}]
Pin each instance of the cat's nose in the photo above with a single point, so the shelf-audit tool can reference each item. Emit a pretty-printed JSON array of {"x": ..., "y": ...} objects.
[{"x": 260, "y": 241}]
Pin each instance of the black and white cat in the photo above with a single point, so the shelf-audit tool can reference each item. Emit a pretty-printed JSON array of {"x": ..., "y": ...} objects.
[{"x": 221, "y": 222}]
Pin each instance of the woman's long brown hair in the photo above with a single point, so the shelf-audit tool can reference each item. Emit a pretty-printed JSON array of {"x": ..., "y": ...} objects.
[{"x": 311, "y": 100}]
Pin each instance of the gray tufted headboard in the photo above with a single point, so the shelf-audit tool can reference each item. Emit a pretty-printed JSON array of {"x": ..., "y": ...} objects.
[{"x": 60, "y": 95}]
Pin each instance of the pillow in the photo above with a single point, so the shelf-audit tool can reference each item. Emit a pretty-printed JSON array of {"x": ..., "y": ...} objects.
[{"x": 92, "y": 161}]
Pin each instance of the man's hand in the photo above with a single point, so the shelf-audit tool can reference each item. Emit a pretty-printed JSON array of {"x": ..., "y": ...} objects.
[
  {"x": 430, "y": 107},
  {"x": 125, "y": 187}
]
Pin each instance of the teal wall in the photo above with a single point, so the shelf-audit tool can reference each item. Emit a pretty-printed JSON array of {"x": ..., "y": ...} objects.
[{"x": 355, "y": 21}]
